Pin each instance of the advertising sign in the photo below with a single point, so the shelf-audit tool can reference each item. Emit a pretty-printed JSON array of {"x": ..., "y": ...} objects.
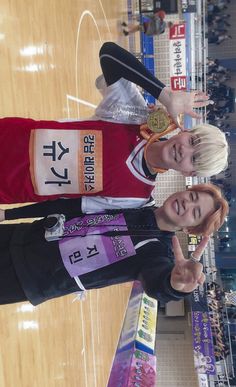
[
  {"x": 134, "y": 364},
  {"x": 177, "y": 57},
  {"x": 204, "y": 359}
]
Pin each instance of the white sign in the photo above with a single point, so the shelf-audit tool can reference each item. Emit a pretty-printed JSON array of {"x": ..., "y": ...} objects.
[{"x": 178, "y": 57}]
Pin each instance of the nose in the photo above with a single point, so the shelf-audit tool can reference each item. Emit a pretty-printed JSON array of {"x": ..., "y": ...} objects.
[
  {"x": 188, "y": 204},
  {"x": 186, "y": 151}
]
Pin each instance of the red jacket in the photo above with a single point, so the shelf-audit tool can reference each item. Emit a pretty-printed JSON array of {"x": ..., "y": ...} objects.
[{"x": 43, "y": 160}]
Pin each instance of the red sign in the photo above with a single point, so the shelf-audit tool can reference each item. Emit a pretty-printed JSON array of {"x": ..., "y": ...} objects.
[
  {"x": 177, "y": 31},
  {"x": 178, "y": 83}
]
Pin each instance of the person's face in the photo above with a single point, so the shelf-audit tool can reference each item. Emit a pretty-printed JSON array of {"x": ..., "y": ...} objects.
[
  {"x": 178, "y": 153},
  {"x": 187, "y": 209}
]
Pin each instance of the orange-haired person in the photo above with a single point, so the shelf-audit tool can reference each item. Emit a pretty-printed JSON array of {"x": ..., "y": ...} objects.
[{"x": 71, "y": 252}]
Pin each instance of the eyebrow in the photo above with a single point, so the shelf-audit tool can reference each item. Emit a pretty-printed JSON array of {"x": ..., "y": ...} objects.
[
  {"x": 196, "y": 150},
  {"x": 196, "y": 139}
]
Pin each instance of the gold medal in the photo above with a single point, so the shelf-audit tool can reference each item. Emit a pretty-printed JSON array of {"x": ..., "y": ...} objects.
[{"x": 158, "y": 121}]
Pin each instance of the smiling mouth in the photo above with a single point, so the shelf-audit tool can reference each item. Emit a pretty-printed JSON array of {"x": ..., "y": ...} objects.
[
  {"x": 176, "y": 206},
  {"x": 174, "y": 153},
  {"x": 177, "y": 154}
]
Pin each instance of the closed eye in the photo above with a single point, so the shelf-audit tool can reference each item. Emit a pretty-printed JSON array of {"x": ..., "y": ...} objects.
[
  {"x": 193, "y": 160},
  {"x": 191, "y": 140},
  {"x": 194, "y": 140},
  {"x": 197, "y": 210},
  {"x": 193, "y": 196},
  {"x": 197, "y": 213}
]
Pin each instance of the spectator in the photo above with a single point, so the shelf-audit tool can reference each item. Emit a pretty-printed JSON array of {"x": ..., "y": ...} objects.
[{"x": 155, "y": 25}]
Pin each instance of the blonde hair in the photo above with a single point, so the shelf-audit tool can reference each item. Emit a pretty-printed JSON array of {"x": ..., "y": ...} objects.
[
  {"x": 217, "y": 218},
  {"x": 210, "y": 149}
]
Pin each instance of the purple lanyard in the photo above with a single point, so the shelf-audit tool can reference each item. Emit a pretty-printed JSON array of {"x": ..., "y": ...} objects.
[{"x": 84, "y": 248}]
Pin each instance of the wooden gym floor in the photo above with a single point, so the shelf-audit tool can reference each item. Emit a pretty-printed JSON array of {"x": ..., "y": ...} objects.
[{"x": 48, "y": 64}]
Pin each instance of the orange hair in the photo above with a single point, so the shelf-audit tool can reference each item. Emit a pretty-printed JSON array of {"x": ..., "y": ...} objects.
[{"x": 217, "y": 218}]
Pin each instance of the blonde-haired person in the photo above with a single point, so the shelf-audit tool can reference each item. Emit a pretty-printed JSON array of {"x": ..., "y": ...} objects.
[
  {"x": 104, "y": 159},
  {"x": 112, "y": 247}
]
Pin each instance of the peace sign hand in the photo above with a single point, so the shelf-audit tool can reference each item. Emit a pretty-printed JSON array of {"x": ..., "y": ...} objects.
[{"x": 187, "y": 274}]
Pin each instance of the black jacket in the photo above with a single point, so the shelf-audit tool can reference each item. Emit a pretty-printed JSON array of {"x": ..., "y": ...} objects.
[{"x": 43, "y": 276}]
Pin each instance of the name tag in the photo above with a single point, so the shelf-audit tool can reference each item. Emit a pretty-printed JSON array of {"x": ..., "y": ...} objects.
[
  {"x": 84, "y": 249},
  {"x": 66, "y": 161}
]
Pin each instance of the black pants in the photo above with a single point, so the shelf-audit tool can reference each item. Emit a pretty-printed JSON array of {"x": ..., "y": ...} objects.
[{"x": 10, "y": 288}]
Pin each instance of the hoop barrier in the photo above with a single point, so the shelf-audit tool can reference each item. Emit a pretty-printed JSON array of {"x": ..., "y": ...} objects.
[{"x": 135, "y": 360}]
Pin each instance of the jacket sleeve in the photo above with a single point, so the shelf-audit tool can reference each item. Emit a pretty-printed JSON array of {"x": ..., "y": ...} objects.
[
  {"x": 116, "y": 63},
  {"x": 68, "y": 207},
  {"x": 155, "y": 277}
]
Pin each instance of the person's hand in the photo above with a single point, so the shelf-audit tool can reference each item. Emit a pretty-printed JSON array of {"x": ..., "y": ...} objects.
[
  {"x": 186, "y": 274},
  {"x": 183, "y": 102},
  {"x": 2, "y": 215}
]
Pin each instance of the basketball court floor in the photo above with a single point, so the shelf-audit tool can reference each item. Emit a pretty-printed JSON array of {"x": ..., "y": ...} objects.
[{"x": 48, "y": 65}]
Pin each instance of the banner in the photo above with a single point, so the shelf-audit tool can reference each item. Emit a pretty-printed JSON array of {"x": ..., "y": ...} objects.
[
  {"x": 204, "y": 359},
  {"x": 177, "y": 57},
  {"x": 134, "y": 364},
  {"x": 146, "y": 331},
  {"x": 139, "y": 327},
  {"x": 129, "y": 328},
  {"x": 133, "y": 369}
]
